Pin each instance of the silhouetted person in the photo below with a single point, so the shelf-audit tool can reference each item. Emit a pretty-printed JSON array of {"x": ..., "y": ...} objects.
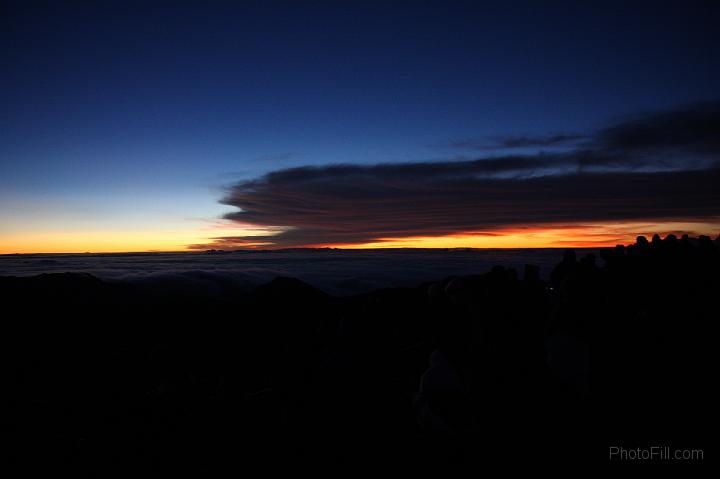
[
  {"x": 565, "y": 268},
  {"x": 532, "y": 274}
]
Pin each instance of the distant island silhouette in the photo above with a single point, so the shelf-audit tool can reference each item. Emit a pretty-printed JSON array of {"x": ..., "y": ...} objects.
[{"x": 614, "y": 347}]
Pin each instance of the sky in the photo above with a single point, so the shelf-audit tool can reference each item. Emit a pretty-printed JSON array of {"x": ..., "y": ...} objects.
[{"x": 167, "y": 126}]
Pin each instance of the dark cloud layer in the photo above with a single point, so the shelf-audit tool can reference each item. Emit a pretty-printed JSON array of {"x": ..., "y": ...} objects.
[
  {"x": 663, "y": 166},
  {"x": 694, "y": 129},
  {"x": 525, "y": 141}
]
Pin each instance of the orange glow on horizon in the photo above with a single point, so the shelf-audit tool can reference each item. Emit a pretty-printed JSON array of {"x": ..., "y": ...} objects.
[
  {"x": 585, "y": 236},
  {"x": 116, "y": 241},
  {"x": 578, "y": 236}
]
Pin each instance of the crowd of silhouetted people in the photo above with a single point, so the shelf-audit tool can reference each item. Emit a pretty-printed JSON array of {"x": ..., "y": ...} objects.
[{"x": 617, "y": 346}]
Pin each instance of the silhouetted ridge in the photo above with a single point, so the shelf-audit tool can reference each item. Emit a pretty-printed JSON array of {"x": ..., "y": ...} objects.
[
  {"x": 282, "y": 288},
  {"x": 614, "y": 348}
]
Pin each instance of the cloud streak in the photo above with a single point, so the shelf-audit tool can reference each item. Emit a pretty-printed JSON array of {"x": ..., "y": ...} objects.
[
  {"x": 659, "y": 167},
  {"x": 525, "y": 141}
]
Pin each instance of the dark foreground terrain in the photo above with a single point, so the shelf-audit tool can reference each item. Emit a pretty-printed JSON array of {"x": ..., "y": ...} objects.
[{"x": 614, "y": 350}]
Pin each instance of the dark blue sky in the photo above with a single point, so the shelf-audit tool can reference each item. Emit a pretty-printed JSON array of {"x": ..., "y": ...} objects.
[{"x": 138, "y": 111}]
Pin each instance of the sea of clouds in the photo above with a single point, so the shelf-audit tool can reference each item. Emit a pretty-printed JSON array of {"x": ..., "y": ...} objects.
[{"x": 339, "y": 272}]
